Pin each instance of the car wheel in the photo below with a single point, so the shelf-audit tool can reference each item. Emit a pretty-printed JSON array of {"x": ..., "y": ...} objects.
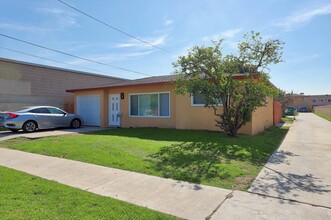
[
  {"x": 76, "y": 123},
  {"x": 14, "y": 130},
  {"x": 30, "y": 126}
]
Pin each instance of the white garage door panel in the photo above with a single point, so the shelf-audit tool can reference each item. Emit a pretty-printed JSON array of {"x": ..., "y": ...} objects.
[{"x": 88, "y": 106}]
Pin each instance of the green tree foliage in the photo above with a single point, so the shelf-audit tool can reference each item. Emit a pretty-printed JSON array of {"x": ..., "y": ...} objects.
[{"x": 239, "y": 80}]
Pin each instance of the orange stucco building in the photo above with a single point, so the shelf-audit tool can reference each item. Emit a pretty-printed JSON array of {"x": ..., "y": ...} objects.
[{"x": 152, "y": 102}]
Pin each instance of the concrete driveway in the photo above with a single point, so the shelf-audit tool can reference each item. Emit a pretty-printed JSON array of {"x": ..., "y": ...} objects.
[
  {"x": 301, "y": 168},
  {"x": 6, "y": 135}
]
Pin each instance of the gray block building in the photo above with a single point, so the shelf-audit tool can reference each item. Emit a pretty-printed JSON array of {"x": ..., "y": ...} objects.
[{"x": 26, "y": 84}]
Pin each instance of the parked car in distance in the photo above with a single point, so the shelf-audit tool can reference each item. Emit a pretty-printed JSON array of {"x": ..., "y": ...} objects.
[
  {"x": 291, "y": 110},
  {"x": 33, "y": 118},
  {"x": 303, "y": 109}
]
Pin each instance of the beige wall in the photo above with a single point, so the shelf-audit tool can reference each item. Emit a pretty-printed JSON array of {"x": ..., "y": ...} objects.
[
  {"x": 199, "y": 117},
  {"x": 263, "y": 117},
  {"x": 325, "y": 110},
  {"x": 23, "y": 84},
  {"x": 128, "y": 121},
  {"x": 182, "y": 114},
  {"x": 299, "y": 101}
]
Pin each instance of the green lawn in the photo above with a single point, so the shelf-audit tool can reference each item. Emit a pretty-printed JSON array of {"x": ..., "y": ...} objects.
[
  {"x": 323, "y": 116},
  {"x": 24, "y": 196},
  {"x": 288, "y": 120},
  {"x": 3, "y": 129},
  {"x": 205, "y": 157}
]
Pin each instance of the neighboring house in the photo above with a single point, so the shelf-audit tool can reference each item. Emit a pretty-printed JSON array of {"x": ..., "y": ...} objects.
[
  {"x": 23, "y": 84},
  {"x": 152, "y": 102},
  {"x": 310, "y": 101}
]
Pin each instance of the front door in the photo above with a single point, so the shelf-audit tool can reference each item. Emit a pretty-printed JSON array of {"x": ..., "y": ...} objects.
[{"x": 114, "y": 110}]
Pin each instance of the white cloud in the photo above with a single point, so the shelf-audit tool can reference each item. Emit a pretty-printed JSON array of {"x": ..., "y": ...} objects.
[
  {"x": 228, "y": 34},
  {"x": 63, "y": 18},
  {"x": 168, "y": 22},
  {"x": 229, "y": 37},
  {"x": 110, "y": 57},
  {"x": 304, "y": 16},
  {"x": 21, "y": 27},
  {"x": 135, "y": 43}
]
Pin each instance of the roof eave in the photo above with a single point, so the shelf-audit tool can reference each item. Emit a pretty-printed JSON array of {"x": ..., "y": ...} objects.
[{"x": 120, "y": 86}]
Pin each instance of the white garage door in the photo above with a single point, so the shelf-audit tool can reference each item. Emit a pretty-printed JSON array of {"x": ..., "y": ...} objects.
[{"x": 88, "y": 106}]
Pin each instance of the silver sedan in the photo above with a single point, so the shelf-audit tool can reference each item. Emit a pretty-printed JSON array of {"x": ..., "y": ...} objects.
[{"x": 38, "y": 117}]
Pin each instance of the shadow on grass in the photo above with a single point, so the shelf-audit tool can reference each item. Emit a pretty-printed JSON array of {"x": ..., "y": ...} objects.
[
  {"x": 197, "y": 156},
  {"x": 197, "y": 161},
  {"x": 189, "y": 161}
]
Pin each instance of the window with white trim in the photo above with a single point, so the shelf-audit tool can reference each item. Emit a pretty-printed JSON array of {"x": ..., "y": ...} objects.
[
  {"x": 200, "y": 100},
  {"x": 150, "y": 105}
]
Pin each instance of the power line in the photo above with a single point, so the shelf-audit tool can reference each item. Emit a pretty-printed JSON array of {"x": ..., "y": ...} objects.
[
  {"x": 116, "y": 29},
  {"x": 71, "y": 55},
  {"x": 56, "y": 61}
]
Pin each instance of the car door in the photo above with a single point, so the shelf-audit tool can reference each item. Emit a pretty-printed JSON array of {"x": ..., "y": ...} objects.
[
  {"x": 59, "y": 118},
  {"x": 42, "y": 117}
]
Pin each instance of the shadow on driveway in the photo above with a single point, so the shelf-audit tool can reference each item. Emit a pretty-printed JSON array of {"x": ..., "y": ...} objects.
[{"x": 288, "y": 185}]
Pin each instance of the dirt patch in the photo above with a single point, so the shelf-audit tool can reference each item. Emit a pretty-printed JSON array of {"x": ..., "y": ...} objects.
[
  {"x": 55, "y": 141},
  {"x": 243, "y": 182},
  {"x": 13, "y": 141}
]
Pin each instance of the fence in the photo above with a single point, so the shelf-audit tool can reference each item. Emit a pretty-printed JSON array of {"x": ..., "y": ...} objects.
[
  {"x": 325, "y": 110},
  {"x": 277, "y": 113}
]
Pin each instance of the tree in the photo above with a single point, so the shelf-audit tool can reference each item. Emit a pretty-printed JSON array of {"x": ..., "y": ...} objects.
[
  {"x": 239, "y": 81},
  {"x": 284, "y": 98}
]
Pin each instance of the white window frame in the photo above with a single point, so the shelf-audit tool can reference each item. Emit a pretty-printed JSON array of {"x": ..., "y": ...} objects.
[
  {"x": 149, "y": 93},
  {"x": 201, "y": 105}
]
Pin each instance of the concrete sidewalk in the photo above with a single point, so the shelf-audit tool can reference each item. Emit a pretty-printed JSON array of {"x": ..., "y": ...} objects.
[
  {"x": 178, "y": 198},
  {"x": 182, "y": 199}
]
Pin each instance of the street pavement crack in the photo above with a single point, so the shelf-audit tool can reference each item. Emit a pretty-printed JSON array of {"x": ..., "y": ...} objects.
[
  {"x": 290, "y": 200},
  {"x": 228, "y": 196}
]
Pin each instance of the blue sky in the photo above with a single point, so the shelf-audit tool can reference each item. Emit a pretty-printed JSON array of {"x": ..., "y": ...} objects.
[{"x": 304, "y": 25}]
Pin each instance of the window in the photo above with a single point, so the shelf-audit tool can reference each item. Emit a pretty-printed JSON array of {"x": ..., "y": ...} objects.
[
  {"x": 56, "y": 111},
  {"x": 321, "y": 100},
  {"x": 150, "y": 105},
  {"x": 329, "y": 100},
  {"x": 40, "y": 111},
  {"x": 200, "y": 100},
  {"x": 314, "y": 100},
  {"x": 304, "y": 99}
]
